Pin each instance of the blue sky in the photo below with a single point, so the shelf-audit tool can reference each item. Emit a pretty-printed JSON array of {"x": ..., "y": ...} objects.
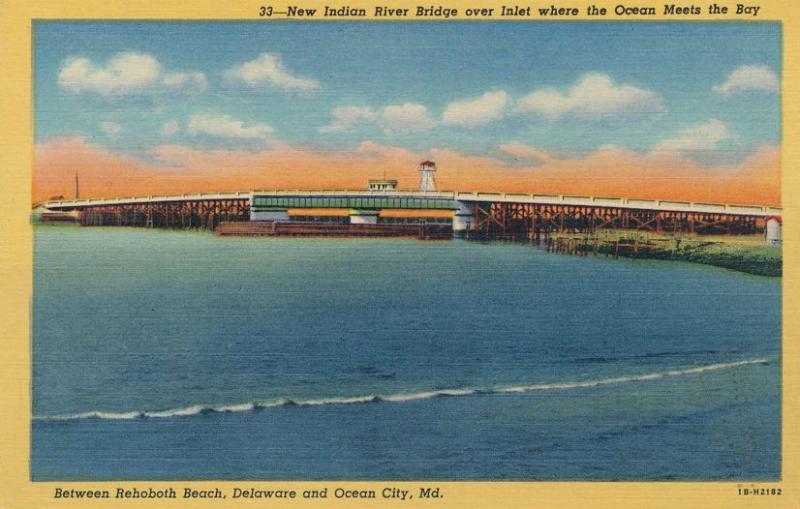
[{"x": 706, "y": 89}]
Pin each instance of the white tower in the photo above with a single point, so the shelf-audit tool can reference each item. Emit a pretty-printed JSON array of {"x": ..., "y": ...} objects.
[{"x": 427, "y": 180}]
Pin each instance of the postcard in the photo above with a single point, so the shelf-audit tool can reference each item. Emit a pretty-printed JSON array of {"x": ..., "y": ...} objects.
[{"x": 362, "y": 255}]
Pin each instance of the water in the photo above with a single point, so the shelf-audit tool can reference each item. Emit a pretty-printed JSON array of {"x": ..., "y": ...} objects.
[{"x": 173, "y": 355}]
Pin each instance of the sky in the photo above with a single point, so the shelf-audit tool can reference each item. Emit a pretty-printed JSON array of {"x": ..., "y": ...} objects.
[{"x": 653, "y": 110}]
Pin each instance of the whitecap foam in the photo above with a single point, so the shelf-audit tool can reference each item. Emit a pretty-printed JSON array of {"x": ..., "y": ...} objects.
[
  {"x": 243, "y": 407},
  {"x": 339, "y": 401},
  {"x": 398, "y": 397},
  {"x": 415, "y": 396},
  {"x": 92, "y": 415},
  {"x": 177, "y": 412},
  {"x": 627, "y": 379}
]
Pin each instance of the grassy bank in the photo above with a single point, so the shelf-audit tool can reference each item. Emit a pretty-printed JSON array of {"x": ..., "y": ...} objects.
[{"x": 744, "y": 254}]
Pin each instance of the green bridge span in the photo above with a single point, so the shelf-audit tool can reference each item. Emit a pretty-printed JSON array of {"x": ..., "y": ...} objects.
[{"x": 270, "y": 202}]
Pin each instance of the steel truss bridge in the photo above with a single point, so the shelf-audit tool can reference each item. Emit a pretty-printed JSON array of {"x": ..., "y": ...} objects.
[{"x": 484, "y": 215}]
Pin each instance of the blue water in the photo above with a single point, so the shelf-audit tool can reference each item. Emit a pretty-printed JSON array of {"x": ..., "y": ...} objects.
[{"x": 172, "y": 355}]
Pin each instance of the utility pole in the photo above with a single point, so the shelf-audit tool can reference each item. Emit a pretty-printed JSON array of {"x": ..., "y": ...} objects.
[{"x": 77, "y": 187}]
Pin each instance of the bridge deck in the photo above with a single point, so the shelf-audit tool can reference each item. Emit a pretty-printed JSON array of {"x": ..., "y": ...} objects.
[{"x": 419, "y": 200}]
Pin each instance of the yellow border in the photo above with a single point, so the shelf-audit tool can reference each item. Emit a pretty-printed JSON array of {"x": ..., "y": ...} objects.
[{"x": 16, "y": 135}]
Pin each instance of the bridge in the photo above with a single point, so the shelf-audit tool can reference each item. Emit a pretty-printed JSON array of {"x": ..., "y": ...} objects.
[{"x": 475, "y": 214}]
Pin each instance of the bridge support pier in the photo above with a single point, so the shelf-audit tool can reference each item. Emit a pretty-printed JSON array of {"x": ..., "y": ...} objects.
[
  {"x": 359, "y": 216},
  {"x": 463, "y": 219},
  {"x": 276, "y": 214},
  {"x": 773, "y": 230}
]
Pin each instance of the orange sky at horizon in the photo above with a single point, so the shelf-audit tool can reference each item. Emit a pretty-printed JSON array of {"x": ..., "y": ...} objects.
[{"x": 610, "y": 171}]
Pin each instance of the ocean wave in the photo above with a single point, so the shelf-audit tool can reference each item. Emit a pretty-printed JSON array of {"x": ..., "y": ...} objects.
[{"x": 394, "y": 398}]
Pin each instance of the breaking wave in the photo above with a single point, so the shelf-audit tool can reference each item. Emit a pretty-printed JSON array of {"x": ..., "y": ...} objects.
[{"x": 394, "y": 398}]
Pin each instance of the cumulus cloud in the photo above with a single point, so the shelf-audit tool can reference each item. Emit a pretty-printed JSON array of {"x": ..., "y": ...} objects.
[
  {"x": 268, "y": 69},
  {"x": 522, "y": 151},
  {"x": 347, "y": 117},
  {"x": 226, "y": 127},
  {"x": 126, "y": 73},
  {"x": 684, "y": 145},
  {"x": 478, "y": 111},
  {"x": 408, "y": 117},
  {"x": 111, "y": 129},
  {"x": 401, "y": 118},
  {"x": 697, "y": 138},
  {"x": 594, "y": 95},
  {"x": 170, "y": 128},
  {"x": 189, "y": 81},
  {"x": 747, "y": 78}
]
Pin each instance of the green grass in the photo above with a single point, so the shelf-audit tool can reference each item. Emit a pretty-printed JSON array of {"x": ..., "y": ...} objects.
[
  {"x": 747, "y": 253},
  {"x": 761, "y": 260}
]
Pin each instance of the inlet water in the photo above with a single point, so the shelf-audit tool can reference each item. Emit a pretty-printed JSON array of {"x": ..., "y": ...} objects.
[{"x": 178, "y": 355}]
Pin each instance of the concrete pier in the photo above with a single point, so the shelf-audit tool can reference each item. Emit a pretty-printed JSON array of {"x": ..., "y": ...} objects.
[
  {"x": 462, "y": 219},
  {"x": 774, "y": 227}
]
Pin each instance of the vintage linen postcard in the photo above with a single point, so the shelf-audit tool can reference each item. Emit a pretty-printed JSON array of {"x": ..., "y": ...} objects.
[{"x": 277, "y": 254}]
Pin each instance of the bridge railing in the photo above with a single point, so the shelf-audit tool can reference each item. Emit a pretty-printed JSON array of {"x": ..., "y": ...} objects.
[
  {"x": 632, "y": 203},
  {"x": 359, "y": 192},
  {"x": 146, "y": 199}
]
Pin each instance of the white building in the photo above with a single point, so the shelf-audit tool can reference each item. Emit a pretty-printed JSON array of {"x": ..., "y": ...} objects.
[{"x": 382, "y": 185}]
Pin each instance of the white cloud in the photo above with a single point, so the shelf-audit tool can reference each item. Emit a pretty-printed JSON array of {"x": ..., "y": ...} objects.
[
  {"x": 402, "y": 118},
  {"x": 697, "y": 138},
  {"x": 523, "y": 151},
  {"x": 268, "y": 69},
  {"x": 749, "y": 77},
  {"x": 170, "y": 128},
  {"x": 125, "y": 73},
  {"x": 347, "y": 117},
  {"x": 111, "y": 129},
  {"x": 408, "y": 117},
  {"x": 476, "y": 112},
  {"x": 594, "y": 95},
  {"x": 226, "y": 127},
  {"x": 189, "y": 81}
]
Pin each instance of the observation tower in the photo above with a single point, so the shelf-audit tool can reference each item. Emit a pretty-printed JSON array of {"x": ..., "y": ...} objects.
[{"x": 427, "y": 179}]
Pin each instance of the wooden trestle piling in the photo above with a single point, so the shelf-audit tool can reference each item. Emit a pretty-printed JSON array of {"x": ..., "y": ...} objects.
[
  {"x": 203, "y": 214},
  {"x": 521, "y": 221}
]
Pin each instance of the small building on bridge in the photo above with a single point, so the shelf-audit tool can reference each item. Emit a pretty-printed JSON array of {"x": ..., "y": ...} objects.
[{"x": 382, "y": 185}]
